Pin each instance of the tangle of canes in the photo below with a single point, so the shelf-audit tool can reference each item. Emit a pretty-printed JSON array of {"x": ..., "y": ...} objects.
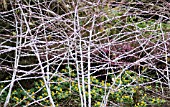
[{"x": 98, "y": 39}]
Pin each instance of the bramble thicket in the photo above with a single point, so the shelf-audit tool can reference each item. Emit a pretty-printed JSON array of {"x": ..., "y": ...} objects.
[{"x": 88, "y": 53}]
